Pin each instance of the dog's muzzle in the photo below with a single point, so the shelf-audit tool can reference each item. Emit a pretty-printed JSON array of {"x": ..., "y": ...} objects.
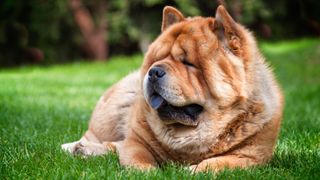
[{"x": 186, "y": 115}]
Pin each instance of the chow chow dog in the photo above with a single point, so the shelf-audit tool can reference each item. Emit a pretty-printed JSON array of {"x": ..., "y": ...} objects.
[{"x": 204, "y": 97}]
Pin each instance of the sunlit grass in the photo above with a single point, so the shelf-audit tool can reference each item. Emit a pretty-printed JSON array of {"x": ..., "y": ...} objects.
[{"x": 43, "y": 107}]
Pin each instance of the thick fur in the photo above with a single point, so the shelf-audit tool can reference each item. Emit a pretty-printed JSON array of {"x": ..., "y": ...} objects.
[{"x": 225, "y": 74}]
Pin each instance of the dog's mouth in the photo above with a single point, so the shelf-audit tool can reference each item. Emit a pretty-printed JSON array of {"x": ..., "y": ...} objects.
[{"x": 186, "y": 115}]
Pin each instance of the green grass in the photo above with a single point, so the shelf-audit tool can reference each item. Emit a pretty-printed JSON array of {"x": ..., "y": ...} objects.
[{"x": 43, "y": 107}]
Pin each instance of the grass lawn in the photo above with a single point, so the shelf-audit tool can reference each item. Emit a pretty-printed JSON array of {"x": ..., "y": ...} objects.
[{"x": 43, "y": 107}]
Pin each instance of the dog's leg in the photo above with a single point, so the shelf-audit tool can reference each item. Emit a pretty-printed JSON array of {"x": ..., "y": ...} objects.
[
  {"x": 88, "y": 145},
  {"x": 87, "y": 148},
  {"x": 257, "y": 151},
  {"x": 135, "y": 155},
  {"x": 221, "y": 162}
]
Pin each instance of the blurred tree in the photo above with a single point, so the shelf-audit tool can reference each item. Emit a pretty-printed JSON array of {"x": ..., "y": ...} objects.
[
  {"x": 64, "y": 30},
  {"x": 36, "y": 29},
  {"x": 93, "y": 33}
]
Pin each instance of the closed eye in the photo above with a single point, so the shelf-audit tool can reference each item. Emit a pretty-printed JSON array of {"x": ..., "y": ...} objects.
[{"x": 187, "y": 63}]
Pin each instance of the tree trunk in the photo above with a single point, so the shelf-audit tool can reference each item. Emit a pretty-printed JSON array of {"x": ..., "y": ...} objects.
[{"x": 94, "y": 34}]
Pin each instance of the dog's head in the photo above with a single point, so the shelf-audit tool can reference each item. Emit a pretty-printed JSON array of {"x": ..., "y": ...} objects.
[{"x": 197, "y": 65}]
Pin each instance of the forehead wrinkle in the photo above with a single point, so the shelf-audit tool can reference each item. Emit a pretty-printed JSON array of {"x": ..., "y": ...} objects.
[
  {"x": 167, "y": 40},
  {"x": 177, "y": 50},
  {"x": 174, "y": 30}
]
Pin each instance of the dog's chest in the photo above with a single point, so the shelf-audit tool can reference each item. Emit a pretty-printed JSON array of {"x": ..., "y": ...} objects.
[{"x": 186, "y": 149}]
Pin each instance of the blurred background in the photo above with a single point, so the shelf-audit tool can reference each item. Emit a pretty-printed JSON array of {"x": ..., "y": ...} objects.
[{"x": 60, "y": 31}]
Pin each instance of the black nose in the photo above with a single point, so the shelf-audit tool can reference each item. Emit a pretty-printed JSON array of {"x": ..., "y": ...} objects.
[{"x": 156, "y": 73}]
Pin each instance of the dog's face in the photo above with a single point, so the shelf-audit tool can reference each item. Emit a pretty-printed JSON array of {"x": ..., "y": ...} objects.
[{"x": 196, "y": 66}]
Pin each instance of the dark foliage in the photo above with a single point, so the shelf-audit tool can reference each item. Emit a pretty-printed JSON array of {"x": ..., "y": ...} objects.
[{"x": 44, "y": 31}]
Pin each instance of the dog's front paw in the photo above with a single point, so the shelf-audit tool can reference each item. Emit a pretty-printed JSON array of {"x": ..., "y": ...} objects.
[
  {"x": 88, "y": 148},
  {"x": 70, "y": 147},
  {"x": 192, "y": 168},
  {"x": 203, "y": 167}
]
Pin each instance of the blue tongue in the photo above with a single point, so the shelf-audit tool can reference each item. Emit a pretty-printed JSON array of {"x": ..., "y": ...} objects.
[{"x": 156, "y": 101}]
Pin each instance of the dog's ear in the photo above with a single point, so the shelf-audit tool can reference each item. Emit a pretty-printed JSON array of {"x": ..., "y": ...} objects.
[
  {"x": 170, "y": 16},
  {"x": 227, "y": 31}
]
